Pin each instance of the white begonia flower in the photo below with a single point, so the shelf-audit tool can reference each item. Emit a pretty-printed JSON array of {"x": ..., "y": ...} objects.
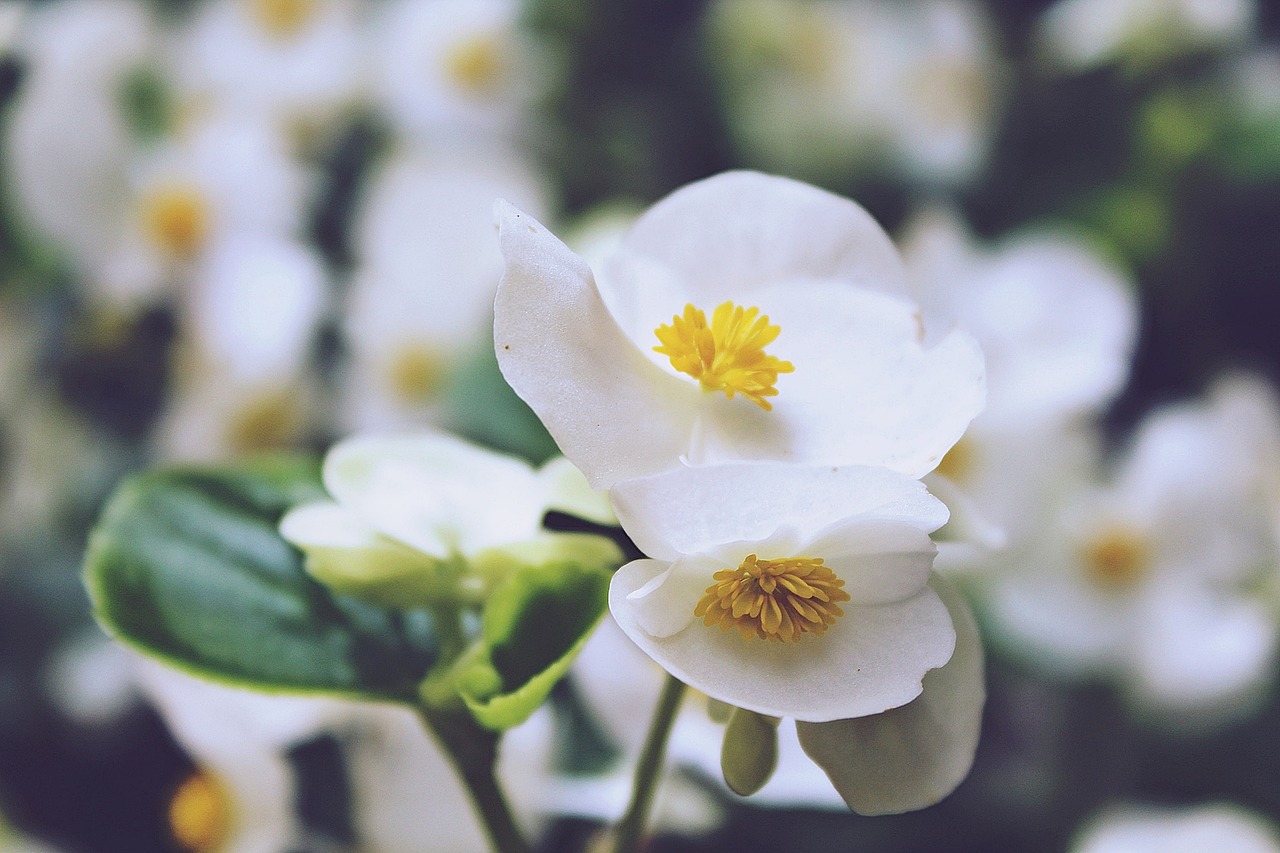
[
  {"x": 744, "y": 317},
  {"x": 1158, "y": 577},
  {"x": 410, "y": 514},
  {"x": 422, "y": 293},
  {"x": 456, "y": 69},
  {"x": 1057, "y": 326},
  {"x": 1076, "y": 35},
  {"x": 249, "y": 319},
  {"x": 750, "y": 559},
  {"x": 297, "y": 61},
  {"x": 822, "y": 89},
  {"x": 1151, "y": 829}
]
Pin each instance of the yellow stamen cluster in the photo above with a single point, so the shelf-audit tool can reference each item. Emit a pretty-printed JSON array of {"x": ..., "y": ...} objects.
[
  {"x": 778, "y": 600},
  {"x": 200, "y": 814},
  {"x": 727, "y": 355},
  {"x": 1117, "y": 559},
  {"x": 478, "y": 64},
  {"x": 282, "y": 19},
  {"x": 176, "y": 218},
  {"x": 416, "y": 373}
]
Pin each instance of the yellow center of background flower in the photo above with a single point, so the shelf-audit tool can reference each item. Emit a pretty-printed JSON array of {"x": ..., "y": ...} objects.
[
  {"x": 477, "y": 64},
  {"x": 727, "y": 355},
  {"x": 778, "y": 600},
  {"x": 175, "y": 217},
  {"x": 282, "y": 19},
  {"x": 416, "y": 373},
  {"x": 1116, "y": 559},
  {"x": 200, "y": 814}
]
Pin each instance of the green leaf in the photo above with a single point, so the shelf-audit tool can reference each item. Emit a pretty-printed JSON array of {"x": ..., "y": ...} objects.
[
  {"x": 749, "y": 754},
  {"x": 186, "y": 565},
  {"x": 479, "y": 404},
  {"x": 534, "y": 626}
]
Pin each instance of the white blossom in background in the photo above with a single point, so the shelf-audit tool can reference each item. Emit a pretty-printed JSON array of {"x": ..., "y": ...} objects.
[
  {"x": 427, "y": 267},
  {"x": 738, "y": 319},
  {"x": 300, "y": 62},
  {"x": 1196, "y": 829},
  {"x": 1159, "y": 577},
  {"x": 68, "y": 148},
  {"x": 824, "y": 89},
  {"x": 1076, "y": 35},
  {"x": 456, "y": 71},
  {"x": 1057, "y": 325},
  {"x": 243, "y": 379},
  {"x": 11, "y": 14}
]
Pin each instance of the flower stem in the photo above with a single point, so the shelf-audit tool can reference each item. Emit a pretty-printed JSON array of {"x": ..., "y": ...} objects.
[
  {"x": 628, "y": 833},
  {"x": 474, "y": 752}
]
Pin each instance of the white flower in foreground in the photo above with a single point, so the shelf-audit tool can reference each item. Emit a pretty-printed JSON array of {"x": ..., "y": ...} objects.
[
  {"x": 419, "y": 519},
  {"x": 1076, "y": 35},
  {"x": 1149, "y": 829},
  {"x": 743, "y": 317},
  {"x": 1159, "y": 577}
]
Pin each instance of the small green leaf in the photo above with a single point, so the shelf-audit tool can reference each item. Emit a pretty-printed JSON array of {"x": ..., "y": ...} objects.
[
  {"x": 186, "y": 565},
  {"x": 749, "y": 754},
  {"x": 534, "y": 626}
]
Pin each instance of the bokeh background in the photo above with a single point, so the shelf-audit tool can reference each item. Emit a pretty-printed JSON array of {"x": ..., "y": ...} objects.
[{"x": 234, "y": 225}]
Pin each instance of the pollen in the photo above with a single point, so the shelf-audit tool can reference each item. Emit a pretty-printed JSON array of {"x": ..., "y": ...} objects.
[
  {"x": 176, "y": 218},
  {"x": 282, "y": 19},
  {"x": 478, "y": 64},
  {"x": 1116, "y": 559},
  {"x": 727, "y": 355},
  {"x": 776, "y": 600},
  {"x": 200, "y": 814}
]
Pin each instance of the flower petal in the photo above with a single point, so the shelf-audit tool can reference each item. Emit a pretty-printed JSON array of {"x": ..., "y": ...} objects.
[
  {"x": 612, "y": 411},
  {"x": 571, "y": 493},
  {"x": 691, "y": 510},
  {"x": 914, "y": 755},
  {"x": 873, "y": 658},
  {"x": 879, "y": 561},
  {"x": 435, "y": 492}
]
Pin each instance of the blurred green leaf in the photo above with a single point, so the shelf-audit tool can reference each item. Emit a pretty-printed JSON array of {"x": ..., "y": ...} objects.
[
  {"x": 186, "y": 565},
  {"x": 480, "y": 405},
  {"x": 534, "y": 626}
]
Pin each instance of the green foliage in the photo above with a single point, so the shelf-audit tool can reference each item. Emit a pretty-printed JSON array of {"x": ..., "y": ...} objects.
[{"x": 186, "y": 565}]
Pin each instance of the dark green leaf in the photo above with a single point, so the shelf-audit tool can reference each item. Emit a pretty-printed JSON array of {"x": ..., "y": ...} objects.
[{"x": 186, "y": 565}]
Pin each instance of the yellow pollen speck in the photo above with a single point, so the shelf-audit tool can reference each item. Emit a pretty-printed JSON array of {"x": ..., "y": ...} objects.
[
  {"x": 176, "y": 218},
  {"x": 1116, "y": 559},
  {"x": 282, "y": 19},
  {"x": 200, "y": 814},
  {"x": 778, "y": 600},
  {"x": 477, "y": 64},
  {"x": 729, "y": 354}
]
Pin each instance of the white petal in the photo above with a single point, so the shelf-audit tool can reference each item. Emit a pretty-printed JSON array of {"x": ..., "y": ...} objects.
[
  {"x": 913, "y": 756},
  {"x": 1218, "y": 826},
  {"x": 435, "y": 492},
  {"x": 660, "y": 595},
  {"x": 690, "y": 510},
  {"x": 730, "y": 235},
  {"x": 611, "y": 410},
  {"x": 872, "y": 659},
  {"x": 879, "y": 561}
]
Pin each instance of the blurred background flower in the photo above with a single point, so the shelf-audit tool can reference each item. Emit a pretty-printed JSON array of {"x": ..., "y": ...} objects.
[{"x": 236, "y": 225}]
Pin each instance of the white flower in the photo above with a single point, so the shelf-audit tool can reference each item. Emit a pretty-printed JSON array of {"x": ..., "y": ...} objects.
[
  {"x": 788, "y": 590},
  {"x": 822, "y": 89},
  {"x": 1159, "y": 576},
  {"x": 1076, "y": 35},
  {"x": 421, "y": 298},
  {"x": 1149, "y": 829},
  {"x": 454, "y": 70},
  {"x": 418, "y": 519},
  {"x": 785, "y": 328}
]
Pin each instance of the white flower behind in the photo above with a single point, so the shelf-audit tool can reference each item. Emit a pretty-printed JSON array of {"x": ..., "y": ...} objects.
[
  {"x": 1151, "y": 829},
  {"x": 743, "y": 317}
]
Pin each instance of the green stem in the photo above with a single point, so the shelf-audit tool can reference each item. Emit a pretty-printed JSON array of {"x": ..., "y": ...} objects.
[
  {"x": 628, "y": 833},
  {"x": 474, "y": 752}
]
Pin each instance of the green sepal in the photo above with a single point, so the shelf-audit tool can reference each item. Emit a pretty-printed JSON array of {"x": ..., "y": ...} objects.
[
  {"x": 186, "y": 565},
  {"x": 749, "y": 753},
  {"x": 534, "y": 625}
]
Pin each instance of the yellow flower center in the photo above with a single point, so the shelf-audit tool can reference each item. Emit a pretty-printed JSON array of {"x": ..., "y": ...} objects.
[
  {"x": 267, "y": 421},
  {"x": 416, "y": 373},
  {"x": 1116, "y": 559},
  {"x": 477, "y": 64},
  {"x": 777, "y": 600},
  {"x": 176, "y": 218},
  {"x": 959, "y": 461},
  {"x": 200, "y": 814},
  {"x": 282, "y": 19},
  {"x": 729, "y": 354}
]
